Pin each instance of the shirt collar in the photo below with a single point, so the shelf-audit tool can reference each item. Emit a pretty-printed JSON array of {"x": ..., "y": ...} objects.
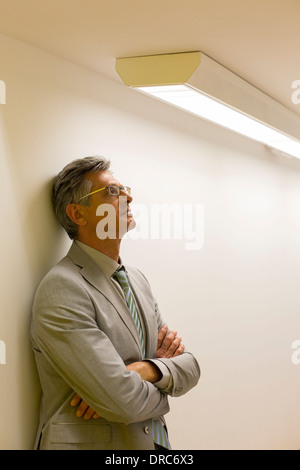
[{"x": 105, "y": 263}]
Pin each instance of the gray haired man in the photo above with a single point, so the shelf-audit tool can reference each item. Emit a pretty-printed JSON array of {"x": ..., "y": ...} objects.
[{"x": 106, "y": 359}]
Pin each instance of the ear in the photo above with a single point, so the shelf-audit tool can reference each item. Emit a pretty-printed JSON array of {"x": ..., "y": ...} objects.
[{"x": 75, "y": 212}]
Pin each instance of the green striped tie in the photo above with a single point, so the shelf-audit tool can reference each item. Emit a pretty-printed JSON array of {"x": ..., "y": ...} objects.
[
  {"x": 121, "y": 277},
  {"x": 158, "y": 431}
]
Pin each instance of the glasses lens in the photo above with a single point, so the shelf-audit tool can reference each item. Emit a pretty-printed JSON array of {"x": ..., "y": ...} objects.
[{"x": 114, "y": 190}]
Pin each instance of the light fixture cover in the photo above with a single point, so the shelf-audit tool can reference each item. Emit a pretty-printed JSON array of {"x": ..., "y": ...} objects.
[{"x": 198, "y": 84}]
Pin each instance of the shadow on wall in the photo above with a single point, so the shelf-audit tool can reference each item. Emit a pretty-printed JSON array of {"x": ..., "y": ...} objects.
[
  {"x": 42, "y": 234},
  {"x": 43, "y": 242},
  {"x": 29, "y": 237}
]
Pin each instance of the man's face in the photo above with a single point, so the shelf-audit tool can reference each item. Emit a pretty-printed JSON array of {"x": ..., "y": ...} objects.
[{"x": 113, "y": 206}]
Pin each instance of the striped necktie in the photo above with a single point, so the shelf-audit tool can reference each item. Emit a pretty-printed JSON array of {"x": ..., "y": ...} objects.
[
  {"x": 121, "y": 277},
  {"x": 158, "y": 431}
]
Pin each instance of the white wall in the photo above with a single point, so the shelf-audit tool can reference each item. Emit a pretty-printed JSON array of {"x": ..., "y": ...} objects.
[{"x": 237, "y": 302}]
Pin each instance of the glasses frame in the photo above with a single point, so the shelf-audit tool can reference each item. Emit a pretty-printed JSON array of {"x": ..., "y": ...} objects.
[{"x": 121, "y": 188}]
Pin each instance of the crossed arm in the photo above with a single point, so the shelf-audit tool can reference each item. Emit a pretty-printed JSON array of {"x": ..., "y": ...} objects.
[{"x": 168, "y": 345}]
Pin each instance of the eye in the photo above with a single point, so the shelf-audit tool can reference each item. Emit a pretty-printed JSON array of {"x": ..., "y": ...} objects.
[{"x": 114, "y": 190}]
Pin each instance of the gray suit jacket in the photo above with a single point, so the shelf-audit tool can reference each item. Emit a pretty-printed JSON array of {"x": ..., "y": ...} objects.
[{"x": 83, "y": 337}]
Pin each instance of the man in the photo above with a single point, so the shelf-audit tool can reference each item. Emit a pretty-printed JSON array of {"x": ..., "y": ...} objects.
[{"x": 101, "y": 347}]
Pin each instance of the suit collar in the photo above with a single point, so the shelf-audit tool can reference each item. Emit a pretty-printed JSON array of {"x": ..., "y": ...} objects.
[{"x": 106, "y": 264}]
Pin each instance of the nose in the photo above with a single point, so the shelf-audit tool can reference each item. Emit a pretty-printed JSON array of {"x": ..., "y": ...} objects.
[{"x": 129, "y": 197}]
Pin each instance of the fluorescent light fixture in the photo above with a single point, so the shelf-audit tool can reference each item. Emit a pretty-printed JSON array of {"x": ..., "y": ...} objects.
[{"x": 196, "y": 83}]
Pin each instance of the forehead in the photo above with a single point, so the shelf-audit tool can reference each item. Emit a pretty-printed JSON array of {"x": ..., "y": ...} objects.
[{"x": 102, "y": 178}]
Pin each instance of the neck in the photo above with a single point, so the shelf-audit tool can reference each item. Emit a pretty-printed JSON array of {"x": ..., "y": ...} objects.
[{"x": 108, "y": 247}]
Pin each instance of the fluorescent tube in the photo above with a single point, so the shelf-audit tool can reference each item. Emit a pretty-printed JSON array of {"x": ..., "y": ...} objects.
[
  {"x": 196, "y": 83},
  {"x": 191, "y": 100}
]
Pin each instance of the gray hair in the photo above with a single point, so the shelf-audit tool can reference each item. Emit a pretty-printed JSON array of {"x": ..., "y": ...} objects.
[{"x": 71, "y": 184}]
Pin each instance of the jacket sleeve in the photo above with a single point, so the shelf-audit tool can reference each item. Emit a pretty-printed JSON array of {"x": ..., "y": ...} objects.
[{"x": 184, "y": 369}]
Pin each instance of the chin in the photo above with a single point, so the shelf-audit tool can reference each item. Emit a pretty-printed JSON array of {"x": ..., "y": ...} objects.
[{"x": 131, "y": 223}]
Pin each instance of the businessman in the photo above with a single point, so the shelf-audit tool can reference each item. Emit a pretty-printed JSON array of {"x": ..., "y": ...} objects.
[{"x": 106, "y": 360}]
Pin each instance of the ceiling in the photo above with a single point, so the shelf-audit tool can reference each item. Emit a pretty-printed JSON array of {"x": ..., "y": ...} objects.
[{"x": 257, "y": 39}]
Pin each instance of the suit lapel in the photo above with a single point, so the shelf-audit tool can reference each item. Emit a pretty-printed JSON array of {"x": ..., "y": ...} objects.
[{"x": 95, "y": 276}]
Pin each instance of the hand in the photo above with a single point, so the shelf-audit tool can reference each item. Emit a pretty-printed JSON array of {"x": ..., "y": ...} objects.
[
  {"x": 168, "y": 345},
  {"x": 83, "y": 410}
]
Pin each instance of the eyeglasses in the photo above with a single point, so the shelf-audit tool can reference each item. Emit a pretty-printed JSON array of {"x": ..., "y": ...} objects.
[{"x": 113, "y": 190}]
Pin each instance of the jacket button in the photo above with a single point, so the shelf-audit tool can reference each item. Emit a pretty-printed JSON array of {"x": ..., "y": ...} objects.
[{"x": 147, "y": 429}]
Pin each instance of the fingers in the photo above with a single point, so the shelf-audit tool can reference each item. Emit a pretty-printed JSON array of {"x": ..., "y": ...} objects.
[
  {"x": 83, "y": 409},
  {"x": 75, "y": 400},
  {"x": 161, "y": 334},
  {"x": 179, "y": 350},
  {"x": 168, "y": 345},
  {"x": 174, "y": 345}
]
